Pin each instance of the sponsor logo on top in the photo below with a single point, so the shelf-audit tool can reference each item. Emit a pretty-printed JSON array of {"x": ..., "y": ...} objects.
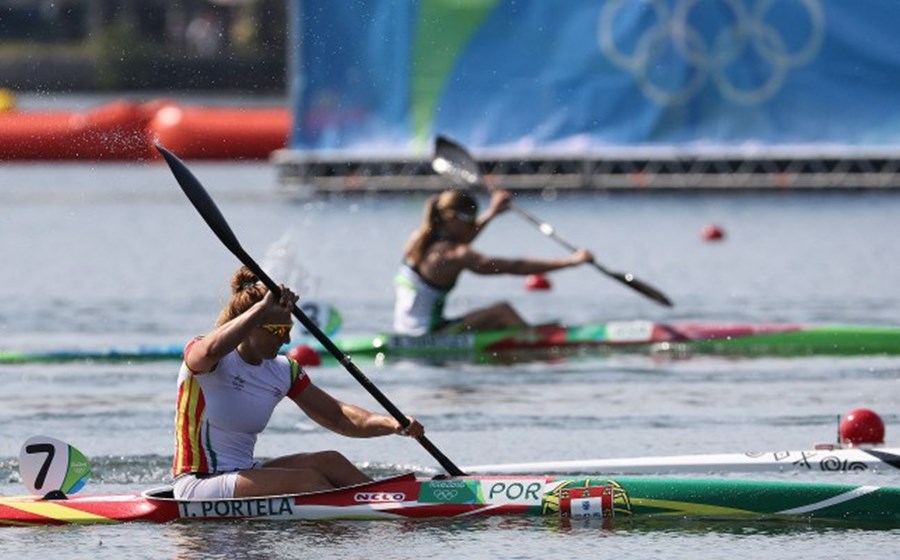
[
  {"x": 629, "y": 331},
  {"x": 381, "y": 497}
]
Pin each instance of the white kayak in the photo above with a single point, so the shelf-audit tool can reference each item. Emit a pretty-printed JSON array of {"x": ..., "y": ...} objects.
[{"x": 873, "y": 459}]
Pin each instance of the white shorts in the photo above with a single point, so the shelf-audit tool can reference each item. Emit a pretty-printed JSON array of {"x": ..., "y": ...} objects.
[
  {"x": 207, "y": 487},
  {"x": 193, "y": 487}
]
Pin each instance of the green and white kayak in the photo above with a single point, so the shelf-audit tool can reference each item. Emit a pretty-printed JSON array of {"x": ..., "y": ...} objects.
[
  {"x": 615, "y": 500},
  {"x": 552, "y": 342},
  {"x": 52, "y": 470},
  {"x": 677, "y": 339}
]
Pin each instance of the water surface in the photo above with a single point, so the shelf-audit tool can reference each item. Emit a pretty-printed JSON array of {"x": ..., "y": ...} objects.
[{"x": 112, "y": 255}]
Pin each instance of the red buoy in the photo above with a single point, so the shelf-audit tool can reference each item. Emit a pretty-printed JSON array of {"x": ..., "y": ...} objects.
[
  {"x": 304, "y": 355},
  {"x": 862, "y": 427},
  {"x": 712, "y": 232},
  {"x": 537, "y": 282}
]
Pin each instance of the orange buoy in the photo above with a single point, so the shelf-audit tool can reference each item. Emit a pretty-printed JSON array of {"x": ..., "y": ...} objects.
[
  {"x": 862, "y": 427},
  {"x": 304, "y": 355},
  {"x": 712, "y": 232},
  {"x": 536, "y": 282}
]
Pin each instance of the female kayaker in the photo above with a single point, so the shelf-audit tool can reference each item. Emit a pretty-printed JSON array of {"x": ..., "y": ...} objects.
[
  {"x": 229, "y": 384},
  {"x": 439, "y": 251}
]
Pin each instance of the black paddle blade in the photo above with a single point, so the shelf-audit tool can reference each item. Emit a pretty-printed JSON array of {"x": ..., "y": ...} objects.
[
  {"x": 453, "y": 161},
  {"x": 202, "y": 202},
  {"x": 649, "y": 291}
]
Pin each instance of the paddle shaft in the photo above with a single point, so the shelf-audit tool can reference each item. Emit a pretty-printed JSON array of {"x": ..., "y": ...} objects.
[
  {"x": 454, "y": 161},
  {"x": 216, "y": 221}
]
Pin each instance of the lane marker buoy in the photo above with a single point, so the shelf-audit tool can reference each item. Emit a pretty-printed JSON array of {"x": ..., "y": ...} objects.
[
  {"x": 536, "y": 282},
  {"x": 712, "y": 232},
  {"x": 861, "y": 427},
  {"x": 304, "y": 355}
]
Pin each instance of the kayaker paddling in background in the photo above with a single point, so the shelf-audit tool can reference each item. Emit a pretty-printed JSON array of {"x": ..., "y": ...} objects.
[
  {"x": 439, "y": 251},
  {"x": 230, "y": 383}
]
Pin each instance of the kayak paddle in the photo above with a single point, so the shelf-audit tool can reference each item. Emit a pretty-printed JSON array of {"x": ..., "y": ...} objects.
[
  {"x": 216, "y": 221},
  {"x": 454, "y": 162}
]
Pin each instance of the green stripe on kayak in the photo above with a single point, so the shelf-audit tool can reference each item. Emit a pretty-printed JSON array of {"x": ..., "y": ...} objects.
[
  {"x": 821, "y": 341},
  {"x": 551, "y": 342}
]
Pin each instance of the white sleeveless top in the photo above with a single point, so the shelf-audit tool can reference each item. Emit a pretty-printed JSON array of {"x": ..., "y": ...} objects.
[
  {"x": 418, "y": 306},
  {"x": 220, "y": 413}
]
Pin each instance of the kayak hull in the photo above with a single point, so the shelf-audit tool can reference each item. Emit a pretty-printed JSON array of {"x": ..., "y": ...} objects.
[
  {"x": 555, "y": 342},
  {"x": 677, "y": 340},
  {"x": 408, "y": 497},
  {"x": 826, "y": 460}
]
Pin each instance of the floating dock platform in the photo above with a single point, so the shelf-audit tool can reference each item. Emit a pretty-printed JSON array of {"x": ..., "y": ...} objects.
[{"x": 308, "y": 173}]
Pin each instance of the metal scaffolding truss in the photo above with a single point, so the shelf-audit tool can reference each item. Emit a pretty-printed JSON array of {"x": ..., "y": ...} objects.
[{"x": 298, "y": 171}]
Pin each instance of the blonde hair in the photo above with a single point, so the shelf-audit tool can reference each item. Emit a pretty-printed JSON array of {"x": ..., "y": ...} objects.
[
  {"x": 438, "y": 209},
  {"x": 246, "y": 291}
]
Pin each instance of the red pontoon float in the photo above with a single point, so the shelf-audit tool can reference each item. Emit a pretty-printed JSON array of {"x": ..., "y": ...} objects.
[{"x": 126, "y": 131}]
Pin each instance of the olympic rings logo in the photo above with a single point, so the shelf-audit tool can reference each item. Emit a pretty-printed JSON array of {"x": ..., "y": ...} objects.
[
  {"x": 746, "y": 58},
  {"x": 445, "y": 495}
]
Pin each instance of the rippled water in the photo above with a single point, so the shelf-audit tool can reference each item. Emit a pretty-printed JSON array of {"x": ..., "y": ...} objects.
[{"x": 113, "y": 255}]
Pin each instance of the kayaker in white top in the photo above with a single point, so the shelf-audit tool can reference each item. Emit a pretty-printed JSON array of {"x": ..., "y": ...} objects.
[
  {"x": 439, "y": 251},
  {"x": 229, "y": 384}
]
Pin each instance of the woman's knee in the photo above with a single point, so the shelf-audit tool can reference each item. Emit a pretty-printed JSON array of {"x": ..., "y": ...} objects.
[
  {"x": 273, "y": 481},
  {"x": 507, "y": 312},
  {"x": 321, "y": 460},
  {"x": 331, "y": 458}
]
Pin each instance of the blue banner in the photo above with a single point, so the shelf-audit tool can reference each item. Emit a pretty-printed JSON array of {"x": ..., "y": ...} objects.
[{"x": 386, "y": 76}]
